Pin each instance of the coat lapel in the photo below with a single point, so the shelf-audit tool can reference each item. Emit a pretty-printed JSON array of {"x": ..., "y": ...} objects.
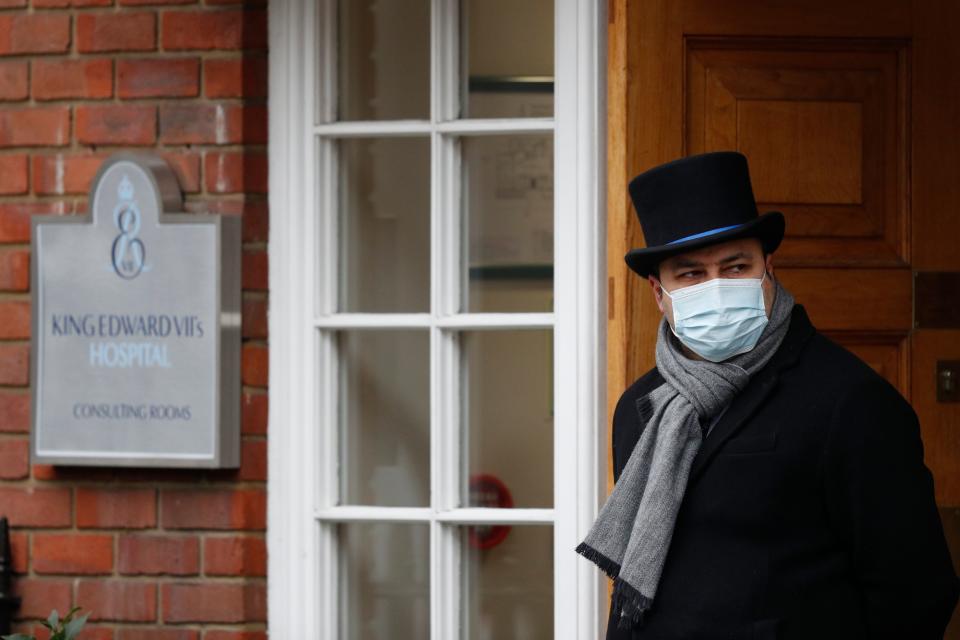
[{"x": 758, "y": 390}]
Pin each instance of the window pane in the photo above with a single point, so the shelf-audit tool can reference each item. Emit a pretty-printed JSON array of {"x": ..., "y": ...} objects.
[
  {"x": 507, "y": 49},
  {"x": 385, "y": 417},
  {"x": 385, "y": 583},
  {"x": 385, "y": 224},
  {"x": 384, "y": 59},
  {"x": 508, "y": 222},
  {"x": 507, "y": 583},
  {"x": 507, "y": 418}
]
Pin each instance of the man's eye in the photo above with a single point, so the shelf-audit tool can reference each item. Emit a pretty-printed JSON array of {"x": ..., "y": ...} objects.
[{"x": 738, "y": 268}]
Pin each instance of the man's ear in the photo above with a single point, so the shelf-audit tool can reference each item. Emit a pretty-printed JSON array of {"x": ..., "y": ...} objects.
[
  {"x": 657, "y": 291},
  {"x": 769, "y": 264}
]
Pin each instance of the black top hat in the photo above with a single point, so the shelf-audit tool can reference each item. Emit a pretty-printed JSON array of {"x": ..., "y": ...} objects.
[{"x": 694, "y": 202}]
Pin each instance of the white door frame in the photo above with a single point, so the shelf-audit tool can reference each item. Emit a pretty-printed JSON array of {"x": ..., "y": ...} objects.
[{"x": 295, "y": 584}]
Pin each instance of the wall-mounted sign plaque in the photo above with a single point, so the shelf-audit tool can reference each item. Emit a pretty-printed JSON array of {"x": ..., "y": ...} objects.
[{"x": 135, "y": 351}]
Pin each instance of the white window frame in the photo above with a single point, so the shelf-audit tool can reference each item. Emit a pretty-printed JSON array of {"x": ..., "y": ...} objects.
[{"x": 302, "y": 433}]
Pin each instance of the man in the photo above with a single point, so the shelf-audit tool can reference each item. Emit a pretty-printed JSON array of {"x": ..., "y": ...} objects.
[{"x": 769, "y": 484}]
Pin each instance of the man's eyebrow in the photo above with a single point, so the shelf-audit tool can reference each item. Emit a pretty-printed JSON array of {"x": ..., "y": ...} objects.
[
  {"x": 737, "y": 256},
  {"x": 684, "y": 263}
]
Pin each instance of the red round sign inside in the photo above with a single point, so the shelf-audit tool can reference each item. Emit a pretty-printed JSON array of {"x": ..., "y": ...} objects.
[{"x": 490, "y": 492}]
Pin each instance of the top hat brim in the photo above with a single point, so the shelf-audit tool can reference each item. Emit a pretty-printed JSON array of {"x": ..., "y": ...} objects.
[{"x": 768, "y": 228}]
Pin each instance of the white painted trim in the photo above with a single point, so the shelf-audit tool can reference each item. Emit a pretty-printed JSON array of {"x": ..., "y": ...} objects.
[
  {"x": 293, "y": 581},
  {"x": 471, "y": 515},
  {"x": 303, "y": 386},
  {"x": 426, "y": 320},
  {"x": 580, "y": 309},
  {"x": 375, "y": 128}
]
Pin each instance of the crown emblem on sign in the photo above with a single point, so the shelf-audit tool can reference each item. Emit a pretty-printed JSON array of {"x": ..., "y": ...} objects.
[{"x": 125, "y": 189}]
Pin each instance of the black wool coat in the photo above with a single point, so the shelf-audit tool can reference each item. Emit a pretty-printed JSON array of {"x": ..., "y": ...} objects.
[{"x": 809, "y": 513}]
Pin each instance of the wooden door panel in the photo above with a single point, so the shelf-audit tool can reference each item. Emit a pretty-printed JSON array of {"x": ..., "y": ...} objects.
[
  {"x": 852, "y": 299},
  {"x": 823, "y": 124},
  {"x": 887, "y": 354}
]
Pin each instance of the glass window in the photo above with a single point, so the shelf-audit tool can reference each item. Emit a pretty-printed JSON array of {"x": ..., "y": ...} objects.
[
  {"x": 385, "y": 417},
  {"x": 434, "y": 319},
  {"x": 507, "y": 56},
  {"x": 507, "y": 201},
  {"x": 385, "y": 581},
  {"x": 384, "y": 224},
  {"x": 384, "y": 59}
]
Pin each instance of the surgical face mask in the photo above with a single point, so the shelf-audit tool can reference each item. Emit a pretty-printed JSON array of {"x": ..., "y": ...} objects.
[{"x": 720, "y": 318}]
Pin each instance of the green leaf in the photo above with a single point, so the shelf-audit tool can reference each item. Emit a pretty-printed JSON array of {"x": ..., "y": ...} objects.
[
  {"x": 74, "y": 626},
  {"x": 53, "y": 620},
  {"x": 18, "y": 636}
]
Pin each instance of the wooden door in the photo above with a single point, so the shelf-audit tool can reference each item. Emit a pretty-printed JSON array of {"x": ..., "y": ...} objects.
[{"x": 849, "y": 114}]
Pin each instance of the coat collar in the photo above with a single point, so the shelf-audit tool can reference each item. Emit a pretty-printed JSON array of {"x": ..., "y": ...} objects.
[{"x": 758, "y": 389}]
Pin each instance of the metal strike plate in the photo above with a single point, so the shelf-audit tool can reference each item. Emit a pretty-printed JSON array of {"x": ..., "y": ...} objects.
[{"x": 948, "y": 381}]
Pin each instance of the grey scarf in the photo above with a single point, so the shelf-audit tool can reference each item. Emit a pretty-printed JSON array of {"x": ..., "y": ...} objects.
[{"x": 631, "y": 535}]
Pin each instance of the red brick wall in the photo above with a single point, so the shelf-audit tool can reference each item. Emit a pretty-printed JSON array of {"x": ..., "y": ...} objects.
[{"x": 154, "y": 555}]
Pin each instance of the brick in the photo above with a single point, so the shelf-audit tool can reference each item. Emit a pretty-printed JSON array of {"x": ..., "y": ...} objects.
[
  {"x": 255, "y": 274},
  {"x": 14, "y": 174},
  {"x": 40, "y": 595},
  {"x": 208, "y": 602},
  {"x": 14, "y": 460},
  {"x": 254, "y": 365},
  {"x": 94, "y": 632},
  {"x": 256, "y": 221},
  {"x": 244, "y": 77},
  {"x": 14, "y": 412},
  {"x": 118, "y": 600},
  {"x": 14, "y": 271},
  {"x": 234, "y": 556},
  {"x": 216, "y": 509},
  {"x": 99, "y": 32},
  {"x": 212, "y": 124},
  {"x": 61, "y": 4},
  {"x": 12, "y": 4},
  {"x": 20, "y": 552},
  {"x": 206, "y": 30},
  {"x": 15, "y": 364},
  {"x": 222, "y": 634},
  {"x": 117, "y": 124},
  {"x": 236, "y": 172},
  {"x": 13, "y": 80},
  {"x": 14, "y": 319},
  {"x": 60, "y": 79},
  {"x": 116, "y": 508},
  {"x": 61, "y": 173},
  {"x": 72, "y": 553},
  {"x": 36, "y": 506},
  {"x": 145, "y": 554},
  {"x": 34, "y": 33},
  {"x": 140, "y": 633},
  {"x": 35, "y": 126},
  {"x": 254, "y": 414},
  {"x": 163, "y": 78},
  {"x": 139, "y": 3},
  {"x": 15, "y": 218},
  {"x": 186, "y": 165},
  {"x": 254, "y": 318},
  {"x": 253, "y": 461}
]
